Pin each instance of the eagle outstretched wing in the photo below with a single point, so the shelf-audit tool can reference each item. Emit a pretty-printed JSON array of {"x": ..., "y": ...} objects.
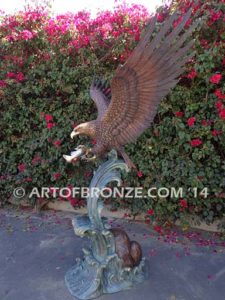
[
  {"x": 100, "y": 92},
  {"x": 148, "y": 75}
]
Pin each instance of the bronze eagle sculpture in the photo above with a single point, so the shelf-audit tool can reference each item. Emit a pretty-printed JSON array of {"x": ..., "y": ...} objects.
[{"x": 127, "y": 108}]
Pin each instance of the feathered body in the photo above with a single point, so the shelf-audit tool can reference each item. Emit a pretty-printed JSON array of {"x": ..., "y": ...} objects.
[{"x": 127, "y": 108}]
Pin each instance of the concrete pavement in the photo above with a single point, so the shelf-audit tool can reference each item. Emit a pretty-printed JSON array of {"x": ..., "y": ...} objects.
[{"x": 36, "y": 250}]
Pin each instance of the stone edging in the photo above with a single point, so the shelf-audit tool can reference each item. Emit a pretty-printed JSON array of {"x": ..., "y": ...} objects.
[{"x": 193, "y": 222}]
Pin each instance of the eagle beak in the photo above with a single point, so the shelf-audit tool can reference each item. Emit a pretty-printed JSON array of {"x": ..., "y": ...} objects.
[{"x": 73, "y": 134}]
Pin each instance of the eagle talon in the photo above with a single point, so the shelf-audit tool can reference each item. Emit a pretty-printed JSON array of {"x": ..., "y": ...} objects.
[
  {"x": 81, "y": 147},
  {"x": 88, "y": 159},
  {"x": 76, "y": 154}
]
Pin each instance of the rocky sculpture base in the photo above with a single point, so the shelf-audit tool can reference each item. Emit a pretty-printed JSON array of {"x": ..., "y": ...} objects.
[
  {"x": 102, "y": 269},
  {"x": 91, "y": 277}
]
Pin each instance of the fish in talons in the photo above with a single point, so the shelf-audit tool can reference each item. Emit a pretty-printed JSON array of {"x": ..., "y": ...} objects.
[
  {"x": 81, "y": 152},
  {"x": 75, "y": 155}
]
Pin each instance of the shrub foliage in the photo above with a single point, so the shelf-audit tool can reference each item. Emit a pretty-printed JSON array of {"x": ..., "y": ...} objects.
[{"x": 46, "y": 67}]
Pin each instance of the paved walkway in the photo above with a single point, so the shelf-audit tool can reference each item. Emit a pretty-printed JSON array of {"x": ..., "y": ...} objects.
[{"x": 36, "y": 250}]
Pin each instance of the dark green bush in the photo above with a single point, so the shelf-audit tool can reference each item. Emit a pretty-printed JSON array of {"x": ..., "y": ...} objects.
[{"x": 46, "y": 67}]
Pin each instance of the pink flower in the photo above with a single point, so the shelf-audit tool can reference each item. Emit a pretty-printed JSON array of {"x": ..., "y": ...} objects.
[
  {"x": 10, "y": 37},
  {"x": 214, "y": 16},
  {"x": 26, "y": 35},
  {"x": 218, "y": 93},
  {"x": 188, "y": 23},
  {"x": 36, "y": 159},
  {"x": 48, "y": 118},
  {"x": 73, "y": 201},
  {"x": 21, "y": 167},
  {"x": 196, "y": 142},
  {"x": 216, "y": 132},
  {"x": 50, "y": 125},
  {"x": 126, "y": 215},
  {"x": 204, "y": 43},
  {"x": 57, "y": 143},
  {"x": 191, "y": 121},
  {"x": 20, "y": 63},
  {"x": 20, "y": 77},
  {"x": 160, "y": 18},
  {"x": 158, "y": 228},
  {"x": 204, "y": 123},
  {"x": 150, "y": 212},
  {"x": 57, "y": 176},
  {"x": 215, "y": 78},
  {"x": 222, "y": 114},
  {"x": 219, "y": 105},
  {"x": 179, "y": 114},
  {"x": 177, "y": 22},
  {"x": 183, "y": 203},
  {"x": 94, "y": 142},
  {"x": 10, "y": 75},
  {"x": 2, "y": 84},
  {"x": 139, "y": 174},
  {"x": 192, "y": 74},
  {"x": 137, "y": 37}
]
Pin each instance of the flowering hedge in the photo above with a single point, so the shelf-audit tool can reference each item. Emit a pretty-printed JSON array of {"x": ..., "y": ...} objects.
[{"x": 46, "y": 67}]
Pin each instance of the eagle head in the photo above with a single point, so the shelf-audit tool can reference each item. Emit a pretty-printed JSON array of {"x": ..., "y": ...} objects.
[{"x": 87, "y": 128}]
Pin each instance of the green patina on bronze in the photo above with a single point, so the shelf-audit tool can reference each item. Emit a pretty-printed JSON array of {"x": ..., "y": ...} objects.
[{"x": 101, "y": 270}]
